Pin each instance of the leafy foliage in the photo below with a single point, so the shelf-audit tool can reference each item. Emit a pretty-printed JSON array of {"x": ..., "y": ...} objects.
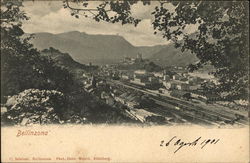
[
  {"x": 22, "y": 66},
  {"x": 152, "y": 67},
  {"x": 221, "y": 38},
  {"x": 109, "y": 11},
  {"x": 44, "y": 92},
  {"x": 35, "y": 106}
]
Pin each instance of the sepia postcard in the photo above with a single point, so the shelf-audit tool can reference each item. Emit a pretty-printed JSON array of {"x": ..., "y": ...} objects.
[{"x": 124, "y": 81}]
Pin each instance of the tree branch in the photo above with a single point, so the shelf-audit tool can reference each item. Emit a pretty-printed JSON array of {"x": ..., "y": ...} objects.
[{"x": 82, "y": 9}]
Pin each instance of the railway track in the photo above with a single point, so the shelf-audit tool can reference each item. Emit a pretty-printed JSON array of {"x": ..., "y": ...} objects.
[
  {"x": 186, "y": 109},
  {"x": 205, "y": 113}
]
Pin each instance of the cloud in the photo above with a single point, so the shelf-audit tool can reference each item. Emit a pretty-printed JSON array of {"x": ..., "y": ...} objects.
[
  {"x": 53, "y": 18},
  {"x": 42, "y": 8}
]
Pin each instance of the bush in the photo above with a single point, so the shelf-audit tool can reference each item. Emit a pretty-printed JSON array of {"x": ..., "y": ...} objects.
[{"x": 35, "y": 106}]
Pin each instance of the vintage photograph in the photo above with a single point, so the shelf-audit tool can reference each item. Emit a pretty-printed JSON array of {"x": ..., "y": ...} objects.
[
  {"x": 124, "y": 81},
  {"x": 142, "y": 63}
]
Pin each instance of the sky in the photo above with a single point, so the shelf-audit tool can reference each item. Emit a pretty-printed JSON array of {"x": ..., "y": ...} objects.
[{"x": 50, "y": 16}]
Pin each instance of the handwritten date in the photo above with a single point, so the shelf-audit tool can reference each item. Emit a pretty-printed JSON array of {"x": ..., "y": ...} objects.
[{"x": 179, "y": 143}]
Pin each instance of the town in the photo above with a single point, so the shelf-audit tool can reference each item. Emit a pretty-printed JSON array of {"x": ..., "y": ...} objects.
[{"x": 147, "y": 93}]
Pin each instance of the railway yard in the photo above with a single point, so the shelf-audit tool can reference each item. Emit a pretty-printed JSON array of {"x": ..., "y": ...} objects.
[{"x": 176, "y": 110}]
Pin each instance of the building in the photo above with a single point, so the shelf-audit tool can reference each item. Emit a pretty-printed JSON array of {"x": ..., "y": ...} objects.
[
  {"x": 153, "y": 80},
  {"x": 140, "y": 72},
  {"x": 158, "y": 74},
  {"x": 139, "y": 57},
  {"x": 166, "y": 77},
  {"x": 141, "y": 114},
  {"x": 182, "y": 86},
  {"x": 181, "y": 94},
  {"x": 170, "y": 85},
  {"x": 207, "y": 97},
  {"x": 131, "y": 100},
  {"x": 93, "y": 81},
  {"x": 178, "y": 85},
  {"x": 125, "y": 77},
  {"x": 194, "y": 87},
  {"x": 163, "y": 91},
  {"x": 176, "y": 77},
  {"x": 88, "y": 88},
  {"x": 101, "y": 83},
  {"x": 128, "y": 60},
  {"x": 212, "y": 97},
  {"x": 104, "y": 95},
  {"x": 140, "y": 81},
  {"x": 195, "y": 80}
]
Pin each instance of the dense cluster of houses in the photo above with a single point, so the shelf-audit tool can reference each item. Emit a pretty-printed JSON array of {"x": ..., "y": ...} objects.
[
  {"x": 176, "y": 82},
  {"x": 179, "y": 84}
]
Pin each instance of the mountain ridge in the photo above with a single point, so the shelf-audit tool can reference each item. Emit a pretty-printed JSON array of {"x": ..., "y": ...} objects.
[{"x": 104, "y": 49}]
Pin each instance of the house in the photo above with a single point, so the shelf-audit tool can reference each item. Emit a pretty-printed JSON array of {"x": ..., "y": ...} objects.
[
  {"x": 170, "y": 85},
  {"x": 101, "y": 83},
  {"x": 158, "y": 74},
  {"x": 104, "y": 95},
  {"x": 176, "y": 77},
  {"x": 143, "y": 81},
  {"x": 194, "y": 87},
  {"x": 140, "y": 72},
  {"x": 195, "y": 79},
  {"x": 181, "y": 94},
  {"x": 88, "y": 88},
  {"x": 212, "y": 97},
  {"x": 124, "y": 76},
  {"x": 162, "y": 90},
  {"x": 128, "y": 60},
  {"x": 115, "y": 92},
  {"x": 153, "y": 80},
  {"x": 182, "y": 86},
  {"x": 141, "y": 114},
  {"x": 166, "y": 77},
  {"x": 207, "y": 97}
]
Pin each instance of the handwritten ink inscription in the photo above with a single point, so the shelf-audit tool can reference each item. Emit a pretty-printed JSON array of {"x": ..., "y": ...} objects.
[{"x": 179, "y": 143}]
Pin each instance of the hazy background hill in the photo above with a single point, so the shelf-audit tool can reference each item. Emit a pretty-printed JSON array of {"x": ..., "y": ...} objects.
[
  {"x": 149, "y": 51},
  {"x": 169, "y": 55},
  {"x": 106, "y": 49},
  {"x": 86, "y": 48}
]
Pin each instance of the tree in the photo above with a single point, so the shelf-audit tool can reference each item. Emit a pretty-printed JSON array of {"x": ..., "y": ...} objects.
[
  {"x": 221, "y": 38},
  {"x": 152, "y": 67},
  {"x": 22, "y": 66}
]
